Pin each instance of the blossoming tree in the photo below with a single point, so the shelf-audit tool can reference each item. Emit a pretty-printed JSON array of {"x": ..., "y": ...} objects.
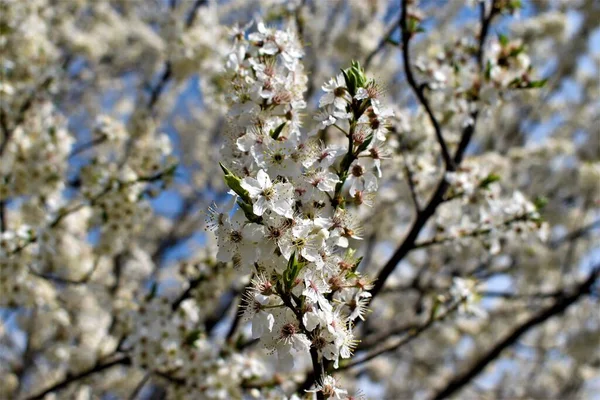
[{"x": 299, "y": 199}]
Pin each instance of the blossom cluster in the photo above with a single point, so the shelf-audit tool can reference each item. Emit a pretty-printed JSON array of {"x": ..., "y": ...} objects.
[
  {"x": 296, "y": 196},
  {"x": 485, "y": 212},
  {"x": 167, "y": 342}
]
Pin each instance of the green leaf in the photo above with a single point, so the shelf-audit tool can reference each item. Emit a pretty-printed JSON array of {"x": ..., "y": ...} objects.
[
  {"x": 488, "y": 180},
  {"x": 515, "y": 5},
  {"x": 537, "y": 84},
  {"x": 488, "y": 70},
  {"x": 516, "y": 51},
  {"x": 288, "y": 274},
  {"x": 350, "y": 83},
  {"x": 357, "y": 263},
  {"x": 153, "y": 291},
  {"x": 191, "y": 337},
  {"x": 361, "y": 79},
  {"x": 503, "y": 40},
  {"x": 235, "y": 184},
  {"x": 291, "y": 273},
  {"x": 275, "y": 134},
  {"x": 540, "y": 202},
  {"x": 249, "y": 213}
]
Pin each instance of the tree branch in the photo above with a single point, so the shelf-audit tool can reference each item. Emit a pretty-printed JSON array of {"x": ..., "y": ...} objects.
[
  {"x": 438, "y": 197},
  {"x": 418, "y": 88},
  {"x": 557, "y": 308},
  {"x": 124, "y": 360}
]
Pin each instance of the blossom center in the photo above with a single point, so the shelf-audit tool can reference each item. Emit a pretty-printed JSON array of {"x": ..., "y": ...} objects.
[
  {"x": 235, "y": 236},
  {"x": 268, "y": 193},
  {"x": 288, "y": 330},
  {"x": 358, "y": 170}
]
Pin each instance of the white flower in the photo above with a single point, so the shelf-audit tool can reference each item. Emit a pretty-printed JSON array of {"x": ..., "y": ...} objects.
[
  {"x": 336, "y": 93},
  {"x": 254, "y": 310},
  {"x": 285, "y": 336},
  {"x": 330, "y": 388},
  {"x": 464, "y": 291},
  {"x": 361, "y": 177},
  {"x": 301, "y": 240},
  {"x": 315, "y": 288},
  {"x": 237, "y": 240},
  {"x": 268, "y": 196}
]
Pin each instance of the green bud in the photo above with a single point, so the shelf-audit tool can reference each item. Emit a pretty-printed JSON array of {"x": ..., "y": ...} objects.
[
  {"x": 503, "y": 39},
  {"x": 191, "y": 337},
  {"x": 235, "y": 184},
  {"x": 540, "y": 202},
  {"x": 291, "y": 273},
  {"x": 275, "y": 133},
  {"x": 488, "y": 180}
]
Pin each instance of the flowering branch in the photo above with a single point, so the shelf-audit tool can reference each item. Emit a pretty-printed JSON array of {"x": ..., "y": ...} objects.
[{"x": 438, "y": 196}]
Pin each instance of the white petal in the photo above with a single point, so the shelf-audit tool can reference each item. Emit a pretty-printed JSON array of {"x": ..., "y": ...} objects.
[
  {"x": 252, "y": 186},
  {"x": 263, "y": 179},
  {"x": 259, "y": 206}
]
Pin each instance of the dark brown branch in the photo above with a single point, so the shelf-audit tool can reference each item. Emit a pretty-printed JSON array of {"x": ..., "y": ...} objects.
[
  {"x": 2, "y": 216},
  {"x": 86, "y": 146},
  {"x": 418, "y": 88},
  {"x": 140, "y": 386},
  {"x": 438, "y": 197},
  {"x": 187, "y": 292},
  {"x": 557, "y": 308},
  {"x": 576, "y": 234},
  {"x": 124, "y": 360},
  {"x": 158, "y": 89},
  {"x": 194, "y": 13},
  {"x": 413, "y": 334}
]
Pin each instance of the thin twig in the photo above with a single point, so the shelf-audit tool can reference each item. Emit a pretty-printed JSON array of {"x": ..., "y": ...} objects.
[
  {"x": 557, "y": 308},
  {"x": 418, "y": 88},
  {"x": 86, "y": 146},
  {"x": 194, "y": 13},
  {"x": 413, "y": 334},
  {"x": 123, "y": 360},
  {"x": 139, "y": 387}
]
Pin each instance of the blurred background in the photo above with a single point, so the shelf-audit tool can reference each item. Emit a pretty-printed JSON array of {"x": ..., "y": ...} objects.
[{"x": 142, "y": 81}]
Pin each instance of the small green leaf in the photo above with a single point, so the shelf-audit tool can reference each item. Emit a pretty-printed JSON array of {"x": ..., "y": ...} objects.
[
  {"x": 516, "y": 51},
  {"x": 350, "y": 83},
  {"x": 235, "y": 184},
  {"x": 153, "y": 291},
  {"x": 357, "y": 263},
  {"x": 540, "y": 202},
  {"x": 488, "y": 180},
  {"x": 503, "y": 40},
  {"x": 191, "y": 337},
  {"x": 275, "y": 134},
  {"x": 292, "y": 271},
  {"x": 488, "y": 70},
  {"x": 249, "y": 213},
  {"x": 538, "y": 84}
]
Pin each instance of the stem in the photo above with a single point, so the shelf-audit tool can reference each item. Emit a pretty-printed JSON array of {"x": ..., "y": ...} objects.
[{"x": 418, "y": 88}]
